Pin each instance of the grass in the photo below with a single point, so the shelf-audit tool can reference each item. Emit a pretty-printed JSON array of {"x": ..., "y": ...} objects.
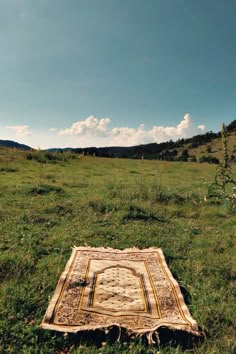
[{"x": 47, "y": 208}]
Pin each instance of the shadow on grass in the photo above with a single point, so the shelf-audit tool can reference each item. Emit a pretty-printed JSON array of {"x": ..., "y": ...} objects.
[
  {"x": 115, "y": 336},
  {"x": 144, "y": 214},
  {"x": 42, "y": 189}
]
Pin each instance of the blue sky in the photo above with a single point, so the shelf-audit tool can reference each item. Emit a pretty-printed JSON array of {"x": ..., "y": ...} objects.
[{"x": 115, "y": 72}]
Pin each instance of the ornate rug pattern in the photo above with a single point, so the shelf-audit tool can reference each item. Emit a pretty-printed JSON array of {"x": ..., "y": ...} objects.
[{"x": 133, "y": 289}]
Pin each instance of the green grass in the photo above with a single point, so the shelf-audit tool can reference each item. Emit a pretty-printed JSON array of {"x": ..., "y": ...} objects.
[{"x": 47, "y": 208}]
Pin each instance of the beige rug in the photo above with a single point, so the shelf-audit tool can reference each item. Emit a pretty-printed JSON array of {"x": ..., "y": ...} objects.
[{"x": 132, "y": 289}]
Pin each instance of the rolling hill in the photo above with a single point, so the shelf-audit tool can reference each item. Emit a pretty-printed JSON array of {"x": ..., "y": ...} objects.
[
  {"x": 206, "y": 147},
  {"x": 202, "y": 148},
  {"x": 14, "y": 145}
]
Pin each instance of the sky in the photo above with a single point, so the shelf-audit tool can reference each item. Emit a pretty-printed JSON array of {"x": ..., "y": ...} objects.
[{"x": 78, "y": 73}]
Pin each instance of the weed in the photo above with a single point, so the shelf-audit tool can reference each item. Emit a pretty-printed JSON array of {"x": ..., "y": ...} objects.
[
  {"x": 223, "y": 186},
  {"x": 102, "y": 207}
]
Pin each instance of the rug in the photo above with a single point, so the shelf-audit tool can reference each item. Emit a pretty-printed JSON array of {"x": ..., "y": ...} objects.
[{"x": 132, "y": 289}]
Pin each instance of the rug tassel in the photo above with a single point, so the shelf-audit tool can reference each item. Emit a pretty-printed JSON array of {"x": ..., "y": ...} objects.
[
  {"x": 150, "y": 338},
  {"x": 157, "y": 338},
  {"x": 119, "y": 334}
]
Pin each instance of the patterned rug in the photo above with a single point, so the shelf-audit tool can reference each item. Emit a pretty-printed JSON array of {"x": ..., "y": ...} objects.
[{"x": 131, "y": 289}]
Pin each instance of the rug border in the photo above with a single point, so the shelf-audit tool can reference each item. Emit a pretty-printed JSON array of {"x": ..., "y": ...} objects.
[{"x": 193, "y": 328}]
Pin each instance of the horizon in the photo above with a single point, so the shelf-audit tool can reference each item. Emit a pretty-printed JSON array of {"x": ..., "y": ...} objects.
[
  {"x": 114, "y": 73},
  {"x": 112, "y": 146}
]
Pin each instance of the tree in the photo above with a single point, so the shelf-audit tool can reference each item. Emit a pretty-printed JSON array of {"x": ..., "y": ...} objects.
[{"x": 209, "y": 149}]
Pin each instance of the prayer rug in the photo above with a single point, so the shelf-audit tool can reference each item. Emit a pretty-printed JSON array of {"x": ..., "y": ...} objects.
[{"x": 132, "y": 289}]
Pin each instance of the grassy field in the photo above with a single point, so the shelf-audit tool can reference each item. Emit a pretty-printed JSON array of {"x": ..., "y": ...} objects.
[{"x": 47, "y": 208}]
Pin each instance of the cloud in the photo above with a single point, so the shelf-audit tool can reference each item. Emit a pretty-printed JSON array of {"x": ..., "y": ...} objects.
[
  {"x": 202, "y": 127},
  {"x": 93, "y": 127},
  {"x": 20, "y": 130},
  {"x": 53, "y": 129},
  {"x": 130, "y": 136},
  {"x": 157, "y": 134}
]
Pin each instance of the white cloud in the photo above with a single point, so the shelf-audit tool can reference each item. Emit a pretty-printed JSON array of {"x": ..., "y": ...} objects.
[
  {"x": 91, "y": 125},
  {"x": 130, "y": 136},
  {"x": 94, "y": 128},
  {"x": 94, "y": 131},
  {"x": 20, "y": 130},
  {"x": 202, "y": 127}
]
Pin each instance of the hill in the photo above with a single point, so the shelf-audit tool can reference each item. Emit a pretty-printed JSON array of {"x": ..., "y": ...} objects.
[
  {"x": 14, "y": 144},
  {"x": 203, "y": 148}
]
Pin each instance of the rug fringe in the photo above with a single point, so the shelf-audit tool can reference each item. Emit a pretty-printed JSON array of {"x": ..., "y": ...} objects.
[{"x": 109, "y": 249}]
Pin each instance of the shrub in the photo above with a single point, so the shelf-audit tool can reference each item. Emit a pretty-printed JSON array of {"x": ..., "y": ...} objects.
[
  {"x": 209, "y": 159},
  {"x": 209, "y": 149},
  {"x": 44, "y": 157},
  {"x": 233, "y": 158}
]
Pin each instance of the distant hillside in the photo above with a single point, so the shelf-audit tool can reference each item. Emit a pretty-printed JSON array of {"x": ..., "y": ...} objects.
[
  {"x": 13, "y": 144},
  {"x": 203, "y": 148}
]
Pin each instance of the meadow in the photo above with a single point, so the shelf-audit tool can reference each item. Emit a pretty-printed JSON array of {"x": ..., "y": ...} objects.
[{"x": 48, "y": 205}]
